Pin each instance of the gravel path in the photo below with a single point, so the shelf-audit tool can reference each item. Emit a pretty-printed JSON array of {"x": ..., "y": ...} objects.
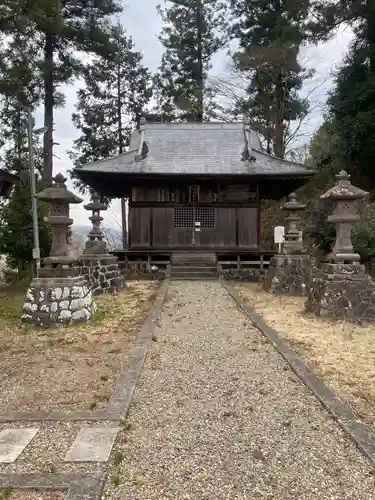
[{"x": 218, "y": 415}]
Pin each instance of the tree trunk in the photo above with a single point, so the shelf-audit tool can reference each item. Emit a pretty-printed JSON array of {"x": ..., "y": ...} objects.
[
  {"x": 121, "y": 150},
  {"x": 278, "y": 145},
  {"x": 48, "y": 110},
  {"x": 200, "y": 76}
]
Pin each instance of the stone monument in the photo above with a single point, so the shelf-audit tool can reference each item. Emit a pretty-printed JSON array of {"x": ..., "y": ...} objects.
[
  {"x": 289, "y": 271},
  {"x": 342, "y": 289},
  {"x": 59, "y": 294},
  {"x": 100, "y": 268}
]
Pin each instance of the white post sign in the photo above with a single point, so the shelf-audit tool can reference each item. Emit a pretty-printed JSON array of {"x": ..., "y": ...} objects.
[{"x": 278, "y": 236}]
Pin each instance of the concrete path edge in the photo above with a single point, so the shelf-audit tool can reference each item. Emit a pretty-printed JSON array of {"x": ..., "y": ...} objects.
[{"x": 360, "y": 433}]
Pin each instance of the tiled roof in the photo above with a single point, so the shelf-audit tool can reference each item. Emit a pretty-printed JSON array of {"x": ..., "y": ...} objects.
[{"x": 197, "y": 148}]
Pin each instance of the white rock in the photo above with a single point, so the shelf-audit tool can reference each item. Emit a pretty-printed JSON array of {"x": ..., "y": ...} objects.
[
  {"x": 65, "y": 315},
  {"x": 78, "y": 315},
  {"x": 65, "y": 293},
  {"x": 30, "y": 296},
  {"x": 77, "y": 304},
  {"x": 64, "y": 304},
  {"x": 54, "y": 306},
  {"x": 41, "y": 295},
  {"x": 28, "y": 306},
  {"x": 45, "y": 308},
  {"x": 26, "y": 316},
  {"x": 77, "y": 292},
  {"x": 56, "y": 293}
]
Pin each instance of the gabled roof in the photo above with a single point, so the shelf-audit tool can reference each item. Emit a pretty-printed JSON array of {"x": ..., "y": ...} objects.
[{"x": 196, "y": 149}]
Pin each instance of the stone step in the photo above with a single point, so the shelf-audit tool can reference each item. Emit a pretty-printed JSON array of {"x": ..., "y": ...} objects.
[
  {"x": 194, "y": 278},
  {"x": 194, "y": 268},
  {"x": 192, "y": 257},
  {"x": 190, "y": 274}
]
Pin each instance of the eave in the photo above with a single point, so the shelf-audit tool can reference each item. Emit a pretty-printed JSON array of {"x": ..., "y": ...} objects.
[{"x": 119, "y": 185}]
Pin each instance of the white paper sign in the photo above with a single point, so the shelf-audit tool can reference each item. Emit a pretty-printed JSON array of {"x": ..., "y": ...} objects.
[{"x": 278, "y": 234}]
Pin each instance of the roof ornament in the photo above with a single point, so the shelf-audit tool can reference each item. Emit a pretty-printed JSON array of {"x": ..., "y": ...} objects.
[
  {"x": 143, "y": 147},
  {"x": 77, "y": 164},
  {"x": 247, "y": 154}
]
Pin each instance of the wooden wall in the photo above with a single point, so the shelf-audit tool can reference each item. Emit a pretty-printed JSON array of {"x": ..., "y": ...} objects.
[{"x": 154, "y": 227}]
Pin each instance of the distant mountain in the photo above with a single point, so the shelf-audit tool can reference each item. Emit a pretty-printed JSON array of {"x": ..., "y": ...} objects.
[{"x": 112, "y": 236}]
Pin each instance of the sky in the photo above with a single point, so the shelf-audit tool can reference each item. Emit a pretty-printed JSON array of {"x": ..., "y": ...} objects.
[{"x": 142, "y": 22}]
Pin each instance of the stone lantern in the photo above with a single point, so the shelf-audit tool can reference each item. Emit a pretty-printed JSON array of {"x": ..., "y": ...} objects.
[
  {"x": 60, "y": 294},
  {"x": 95, "y": 244},
  {"x": 342, "y": 289},
  {"x": 100, "y": 268},
  {"x": 289, "y": 272},
  {"x": 292, "y": 240},
  {"x": 344, "y": 196},
  {"x": 60, "y": 198}
]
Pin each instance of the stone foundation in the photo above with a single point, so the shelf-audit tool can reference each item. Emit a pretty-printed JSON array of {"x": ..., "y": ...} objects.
[
  {"x": 289, "y": 275},
  {"x": 54, "y": 300},
  {"x": 253, "y": 275},
  {"x": 102, "y": 274},
  {"x": 342, "y": 292}
]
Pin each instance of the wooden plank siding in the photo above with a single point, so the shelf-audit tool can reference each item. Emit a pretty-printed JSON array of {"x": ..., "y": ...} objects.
[{"x": 152, "y": 222}]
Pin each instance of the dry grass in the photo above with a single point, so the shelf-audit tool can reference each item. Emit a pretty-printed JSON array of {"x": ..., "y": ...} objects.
[
  {"x": 341, "y": 353},
  {"x": 65, "y": 369}
]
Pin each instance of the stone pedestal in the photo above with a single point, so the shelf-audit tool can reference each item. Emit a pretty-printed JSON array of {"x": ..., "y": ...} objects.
[
  {"x": 102, "y": 273},
  {"x": 342, "y": 292},
  {"x": 289, "y": 272},
  {"x": 60, "y": 293},
  {"x": 58, "y": 296},
  {"x": 100, "y": 268},
  {"x": 289, "y": 275}
]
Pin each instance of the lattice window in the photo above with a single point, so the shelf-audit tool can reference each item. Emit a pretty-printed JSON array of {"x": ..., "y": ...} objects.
[
  {"x": 206, "y": 216},
  {"x": 185, "y": 217}
]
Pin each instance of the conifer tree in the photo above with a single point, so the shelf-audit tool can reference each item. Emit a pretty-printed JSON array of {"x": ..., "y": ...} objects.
[
  {"x": 192, "y": 34},
  {"x": 62, "y": 28},
  {"x": 112, "y": 101},
  {"x": 270, "y": 34},
  {"x": 352, "y": 102}
]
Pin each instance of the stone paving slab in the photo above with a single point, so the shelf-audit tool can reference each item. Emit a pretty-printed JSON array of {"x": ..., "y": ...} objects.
[
  {"x": 14, "y": 441},
  {"x": 93, "y": 444},
  {"x": 78, "y": 486}
]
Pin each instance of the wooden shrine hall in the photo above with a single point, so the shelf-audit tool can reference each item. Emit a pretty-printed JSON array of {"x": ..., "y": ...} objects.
[{"x": 194, "y": 187}]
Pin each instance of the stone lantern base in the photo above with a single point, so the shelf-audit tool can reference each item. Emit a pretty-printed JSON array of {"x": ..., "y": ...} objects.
[
  {"x": 288, "y": 275},
  {"x": 58, "y": 296},
  {"x": 342, "y": 292},
  {"x": 102, "y": 273}
]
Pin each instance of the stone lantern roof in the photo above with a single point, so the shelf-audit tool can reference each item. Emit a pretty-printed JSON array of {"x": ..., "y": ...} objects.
[
  {"x": 292, "y": 204},
  {"x": 58, "y": 192},
  {"x": 344, "y": 189}
]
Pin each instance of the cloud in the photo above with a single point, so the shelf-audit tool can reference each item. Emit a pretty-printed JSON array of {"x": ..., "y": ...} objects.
[{"x": 143, "y": 23}]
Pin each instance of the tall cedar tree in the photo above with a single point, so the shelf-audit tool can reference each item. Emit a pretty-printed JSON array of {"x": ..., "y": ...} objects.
[
  {"x": 62, "y": 28},
  {"x": 112, "y": 101},
  {"x": 352, "y": 102},
  {"x": 190, "y": 36},
  {"x": 270, "y": 34},
  {"x": 110, "y": 105}
]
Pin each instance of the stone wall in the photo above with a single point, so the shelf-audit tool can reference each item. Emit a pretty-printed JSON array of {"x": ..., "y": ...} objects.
[
  {"x": 102, "y": 275},
  {"x": 140, "y": 270},
  {"x": 253, "y": 275},
  {"x": 289, "y": 275},
  {"x": 68, "y": 302}
]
